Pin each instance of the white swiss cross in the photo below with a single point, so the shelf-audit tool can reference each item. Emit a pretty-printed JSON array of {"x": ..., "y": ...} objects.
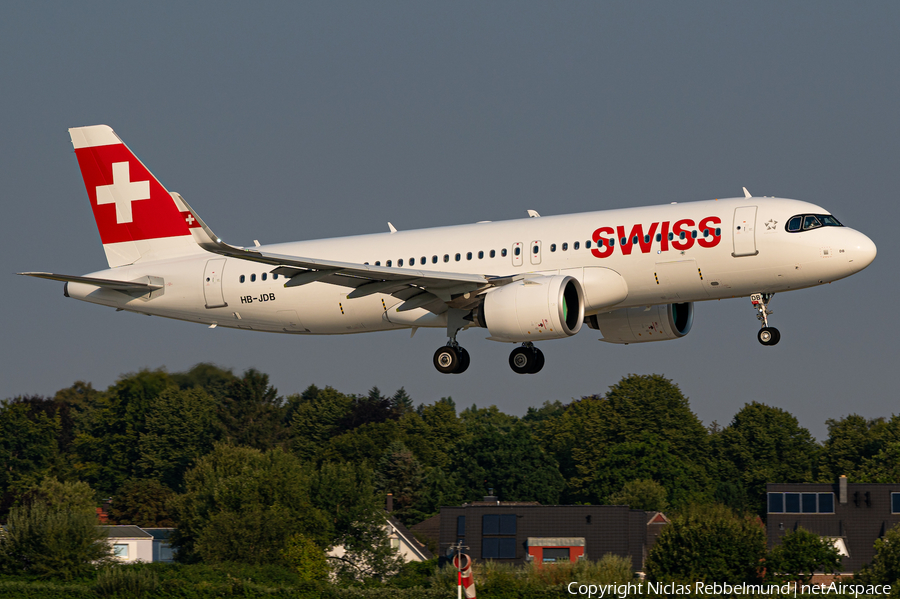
[
  {"x": 190, "y": 219},
  {"x": 122, "y": 192}
]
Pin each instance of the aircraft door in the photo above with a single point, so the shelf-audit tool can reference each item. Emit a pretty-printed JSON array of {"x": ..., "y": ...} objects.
[
  {"x": 212, "y": 283},
  {"x": 744, "y": 231},
  {"x": 517, "y": 250},
  {"x": 535, "y": 252}
]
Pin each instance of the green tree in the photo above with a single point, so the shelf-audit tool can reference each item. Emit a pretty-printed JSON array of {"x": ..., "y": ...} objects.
[
  {"x": 346, "y": 493},
  {"x": 209, "y": 377},
  {"x": 398, "y": 472},
  {"x": 317, "y": 415},
  {"x": 764, "y": 444},
  {"x": 883, "y": 467},
  {"x": 108, "y": 444},
  {"x": 49, "y": 542},
  {"x": 306, "y": 558},
  {"x": 641, "y": 494},
  {"x": 71, "y": 496},
  {"x": 180, "y": 427},
  {"x": 708, "y": 543},
  {"x": 241, "y": 504},
  {"x": 799, "y": 555},
  {"x": 143, "y": 502},
  {"x": 252, "y": 412},
  {"x": 851, "y": 440},
  {"x": 505, "y": 455},
  {"x": 28, "y": 449}
]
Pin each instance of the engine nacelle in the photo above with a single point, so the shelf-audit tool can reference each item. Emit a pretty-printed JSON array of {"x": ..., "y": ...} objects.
[
  {"x": 643, "y": 324},
  {"x": 533, "y": 309}
]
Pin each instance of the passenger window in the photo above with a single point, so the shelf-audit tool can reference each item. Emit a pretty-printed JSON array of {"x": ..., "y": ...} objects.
[
  {"x": 794, "y": 224},
  {"x": 536, "y": 249},
  {"x": 275, "y": 277},
  {"x": 693, "y": 234},
  {"x": 810, "y": 222},
  {"x": 400, "y": 262},
  {"x": 378, "y": 263},
  {"x": 624, "y": 240},
  {"x": 422, "y": 261},
  {"x": 659, "y": 237},
  {"x": 683, "y": 235},
  {"x": 706, "y": 232},
  {"x": 253, "y": 278},
  {"x": 242, "y": 278},
  {"x": 480, "y": 254},
  {"x": 612, "y": 242},
  {"x": 493, "y": 254},
  {"x": 503, "y": 253},
  {"x": 565, "y": 247},
  {"x": 458, "y": 257},
  {"x": 671, "y": 236},
  {"x": 388, "y": 263},
  {"x": 518, "y": 250},
  {"x": 552, "y": 247},
  {"x": 468, "y": 255},
  {"x": 646, "y": 239},
  {"x": 576, "y": 245},
  {"x": 434, "y": 259},
  {"x": 265, "y": 275},
  {"x": 718, "y": 232},
  {"x": 446, "y": 257},
  {"x": 587, "y": 244}
]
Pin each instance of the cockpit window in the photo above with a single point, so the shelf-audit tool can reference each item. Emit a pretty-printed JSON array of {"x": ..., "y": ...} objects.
[
  {"x": 806, "y": 222},
  {"x": 810, "y": 222}
]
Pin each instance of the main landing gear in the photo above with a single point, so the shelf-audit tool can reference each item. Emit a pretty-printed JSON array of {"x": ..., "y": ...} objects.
[
  {"x": 526, "y": 359},
  {"x": 767, "y": 335},
  {"x": 451, "y": 359}
]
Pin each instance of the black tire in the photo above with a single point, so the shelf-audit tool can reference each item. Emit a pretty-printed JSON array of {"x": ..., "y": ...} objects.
[
  {"x": 463, "y": 361},
  {"x": 768, "y": 336},
  {"x": 538, "y": 361},
  {"x": 521, "y": 360},
  {"x": 446, "y": 359}
]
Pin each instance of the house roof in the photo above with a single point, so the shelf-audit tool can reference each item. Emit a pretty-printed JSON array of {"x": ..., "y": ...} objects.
[
  {"x": 160, "y": 534},
  {"x": 411, "y": 541},
  {"x": 125, "y": 532}
]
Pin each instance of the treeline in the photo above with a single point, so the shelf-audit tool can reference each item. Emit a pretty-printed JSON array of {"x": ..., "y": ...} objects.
[{"x": 136, "y": 441}]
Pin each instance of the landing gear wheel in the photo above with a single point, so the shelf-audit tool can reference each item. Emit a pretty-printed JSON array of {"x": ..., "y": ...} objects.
[
  {"x": 526, "y": 360},
  {"x": 463, "y": 361},
  {"x": 447, "y": 359},
  {"x": 768, "y": 336}
]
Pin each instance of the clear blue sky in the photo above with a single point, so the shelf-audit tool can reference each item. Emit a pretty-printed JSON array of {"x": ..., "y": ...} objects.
[{"x": 281, "y": 121}]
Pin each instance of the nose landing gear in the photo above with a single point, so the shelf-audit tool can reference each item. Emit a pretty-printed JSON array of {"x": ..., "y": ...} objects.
[
  {"x": 526, "y": 359},
  {"x": 767, "y": 335}
]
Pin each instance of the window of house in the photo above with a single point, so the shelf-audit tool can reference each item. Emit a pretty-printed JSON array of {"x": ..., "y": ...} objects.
[
  {"x": 395, "y": 543},
  {"x": 498, "y": 548},
  {"x": 895, "y": 503},
  {"x": 460, "y": 526},
  {"x": 555, "y": 554},
  {"x": 801, "y": 503},
  {"x": 498, "y": 524},
  {"x": 120, "y": 550},
  {"x": 498, "y": 536}
]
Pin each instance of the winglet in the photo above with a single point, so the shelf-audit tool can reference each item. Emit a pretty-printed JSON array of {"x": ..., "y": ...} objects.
[
  {"x": 533, "y": 214},
  {"x": 747, "y": 193},
  {"x": 392, "y": 228}
]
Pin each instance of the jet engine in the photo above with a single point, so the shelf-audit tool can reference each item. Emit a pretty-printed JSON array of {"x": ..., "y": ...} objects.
[
  {"x": 533, "y": 309},
  {"x": 644, "y": 323}
]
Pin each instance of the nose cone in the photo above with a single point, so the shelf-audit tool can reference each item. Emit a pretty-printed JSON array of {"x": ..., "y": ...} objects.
[{"x": 862, "y": 251}]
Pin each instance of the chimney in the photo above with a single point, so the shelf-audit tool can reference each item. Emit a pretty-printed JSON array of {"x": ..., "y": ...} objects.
[
  {"x": 842, "y": 489},
  {"x": 491, "y": 496},
  {"x": 390, "y": 503}
]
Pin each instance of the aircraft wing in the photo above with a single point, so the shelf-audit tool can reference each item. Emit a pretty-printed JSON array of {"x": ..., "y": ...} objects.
[
  {"x": 434, "y": 291},
  {"x": 106, "y": 283}
]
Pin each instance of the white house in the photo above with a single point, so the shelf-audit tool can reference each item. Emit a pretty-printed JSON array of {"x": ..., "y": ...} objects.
[{"x": 129, "y": 544}]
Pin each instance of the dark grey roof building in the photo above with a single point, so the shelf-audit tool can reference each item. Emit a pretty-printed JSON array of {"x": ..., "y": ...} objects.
[{"x": 851, "y": 515}]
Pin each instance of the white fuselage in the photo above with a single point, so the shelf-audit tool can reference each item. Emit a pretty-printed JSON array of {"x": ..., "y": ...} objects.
[{"x": 214, "y": 290}]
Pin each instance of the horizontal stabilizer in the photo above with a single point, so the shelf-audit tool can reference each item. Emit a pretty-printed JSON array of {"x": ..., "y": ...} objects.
[{"x": 106, "y": 283}]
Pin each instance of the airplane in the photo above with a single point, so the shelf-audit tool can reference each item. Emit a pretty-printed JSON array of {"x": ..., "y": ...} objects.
[{"x": 633, "y": 274}]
